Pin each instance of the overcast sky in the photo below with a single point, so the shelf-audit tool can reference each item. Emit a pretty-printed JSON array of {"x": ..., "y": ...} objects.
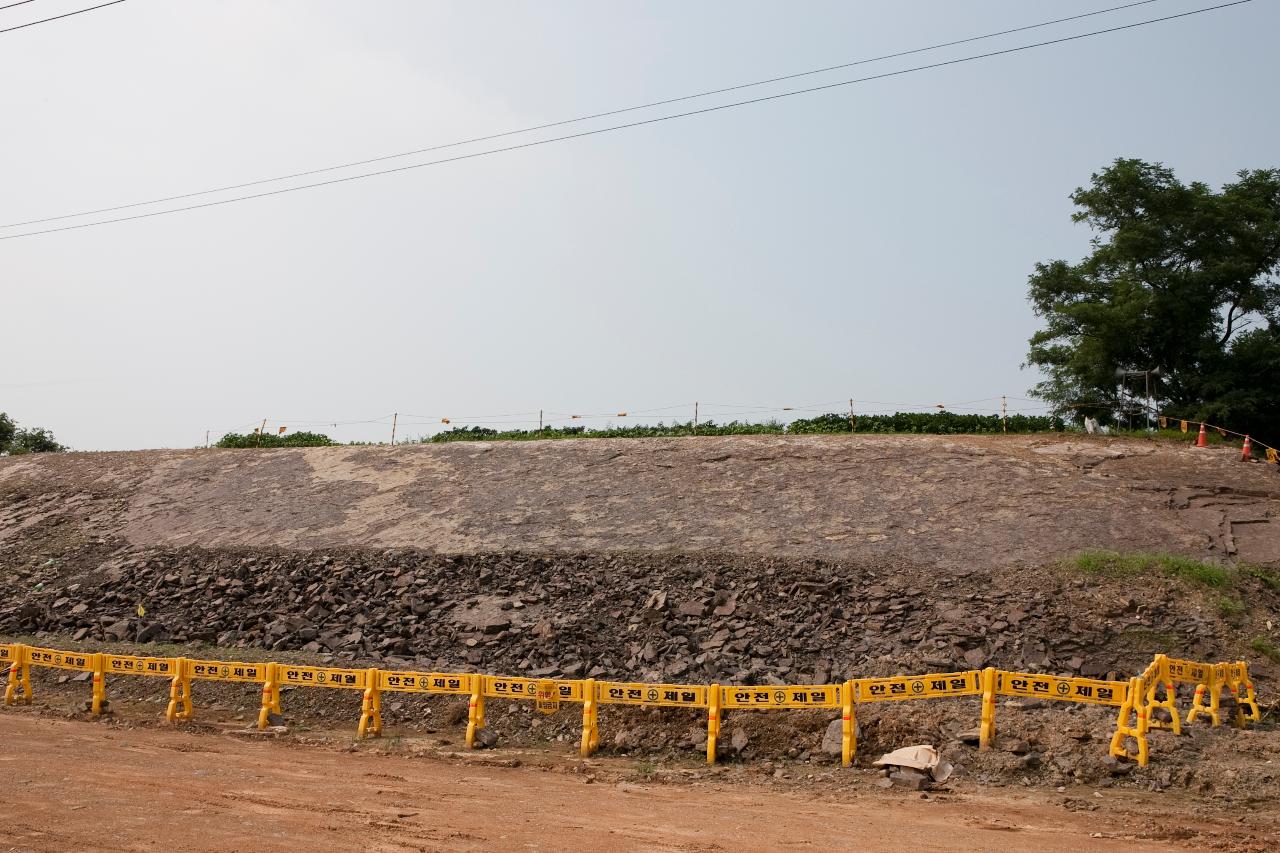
[{"x": 870, "y": 241}]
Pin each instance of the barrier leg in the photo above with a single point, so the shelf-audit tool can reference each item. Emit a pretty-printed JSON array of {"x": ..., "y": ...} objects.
[
  {"x": 987, "y": 732},
  {"x": 99, "y": 685},
  {"x": 590, "y": 720},
  {"x": 713, "y": 722},
  {"x": 1160, "y": 679},
  {"x": 270, "y": 698},
  {"x": 1212, "y": 689},
  {"x": 180, "y": 693},
  {"x": 1247, "y": 699},
  {"x": 475, "y": 712},
  {"x": 1135, "y": 706},
  {"x": 848, "y": 736},
  {"x": 371, "y": 709},
  {"x": 18, "y": 688}
]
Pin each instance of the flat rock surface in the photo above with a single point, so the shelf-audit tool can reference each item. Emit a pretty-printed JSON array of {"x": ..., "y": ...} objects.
[{"x": 942, "y": 500}]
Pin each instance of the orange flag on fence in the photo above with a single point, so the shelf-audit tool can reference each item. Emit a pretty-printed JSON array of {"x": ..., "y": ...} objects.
[{"x": 282, "y": 429}]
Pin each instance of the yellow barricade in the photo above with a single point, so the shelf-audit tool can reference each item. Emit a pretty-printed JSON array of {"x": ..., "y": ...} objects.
[
  {"x": 931, "y": 686},
  {"x": 227, "y": 670},
  {"x": 319, "y": 676},
  {"x": 785, "y": 696},
  {"x": 1089, "y": 690},
  {"x": 502, "y": 687},
  {"x": 651, "y": 695},
  {"x": 129, "y": 665},
  {"x": 425, "y": 682},
  {"x": 60, "y": 660},
  {"x": 1188, "y": 671},
  {"x": 8, "y": 652}
]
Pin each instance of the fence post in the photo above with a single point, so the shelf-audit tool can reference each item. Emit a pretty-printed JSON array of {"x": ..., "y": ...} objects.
[
  {"x": 475, "y": 710},
  {"x": 987, "y": 732},
  {"x": 180, "y": 692},
  {"x": 18, "y": 688},
  {"x": 848, "y": 735},
  {"x": 270, "y": 697},
  {"x": 713, "y": 722},
  {"x": 370, "y": 707},
  {"x": 99, "y": 685},
  {"x": 590, "y": 719}
]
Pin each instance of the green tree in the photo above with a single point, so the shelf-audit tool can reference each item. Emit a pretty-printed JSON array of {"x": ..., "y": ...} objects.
[
  {"x": 1181, "y": 278},
  {"x": 15, "y": 441}
]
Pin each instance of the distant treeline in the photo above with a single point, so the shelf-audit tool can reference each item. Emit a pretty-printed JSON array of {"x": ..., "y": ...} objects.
[{"x": 937, "y": 423}]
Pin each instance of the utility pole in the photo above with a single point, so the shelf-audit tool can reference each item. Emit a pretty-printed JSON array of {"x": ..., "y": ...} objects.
[
  {"x": 394, "y": 418},
  {"x": 539, "y": 420},
  {"x": 695, "y": 418},
  {"x": 853, "y": 422},
  {"x": 206, "y": 439},
  {"x": 1004, "y": 413},
  {"x": 261, "y": 430}
]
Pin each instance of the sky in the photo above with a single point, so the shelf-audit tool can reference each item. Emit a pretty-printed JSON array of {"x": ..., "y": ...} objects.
[{"x": 870, "y": 241}]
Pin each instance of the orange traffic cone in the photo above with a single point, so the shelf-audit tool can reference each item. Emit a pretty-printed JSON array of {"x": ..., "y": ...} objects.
[
  {"x": 1202, "y": 440},
  {"x": 1247, "y": 453}
]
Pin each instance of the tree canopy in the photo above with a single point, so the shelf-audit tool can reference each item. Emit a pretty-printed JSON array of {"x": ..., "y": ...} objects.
[
  {"x": 15, "y": 441},
  {"x": 1181, "y": 278}
]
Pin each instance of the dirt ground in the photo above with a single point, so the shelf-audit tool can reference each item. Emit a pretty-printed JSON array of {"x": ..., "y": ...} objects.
[
  {"x": 70, "y": 784},
  {"x": 942, "y": 500}
]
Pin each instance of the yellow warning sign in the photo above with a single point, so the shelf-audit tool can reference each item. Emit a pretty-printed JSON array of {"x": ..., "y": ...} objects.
[
  {"x": 547, "y": 697},
  {"x": 527, "y": 688},
  {"x": 317, "y": 676},
  {"x": 425, "y": 682},
  {"x": 129, "y": 665},
  {"x": 917, "y": 686},
  {"x": 60, "y": 660},
  {"x": 226, "y": 670},
  {"x": 8, "y": 652},
  {"x": 1064, "y": 689},
  {"x": 653, "y": 695},
  {"x": 1189, "y": 671},
  {"x": 782, "y": 696}
]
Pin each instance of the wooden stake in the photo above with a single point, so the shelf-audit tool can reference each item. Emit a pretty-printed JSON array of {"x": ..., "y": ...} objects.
[
  {"x": 261, "y": 430},
  {"x": 539, "y": 420},
  {"x": 1004, "y": 411},
  {"x": 394, "y": 418},
  {"x": 853, "y": 422},
  {"x": 206, "y": 439},
  {"x": 695, "y": 418}
]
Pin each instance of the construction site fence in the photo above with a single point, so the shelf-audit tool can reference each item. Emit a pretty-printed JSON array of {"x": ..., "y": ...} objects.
[{"x": 1223, "y": 692}]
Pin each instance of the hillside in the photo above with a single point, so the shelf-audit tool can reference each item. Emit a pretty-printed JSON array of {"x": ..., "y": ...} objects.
[{"x": 985, "y": 501}]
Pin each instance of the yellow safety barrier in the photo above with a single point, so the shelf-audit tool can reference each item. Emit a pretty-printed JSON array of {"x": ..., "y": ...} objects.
[{"x": 1136, "y": 698}]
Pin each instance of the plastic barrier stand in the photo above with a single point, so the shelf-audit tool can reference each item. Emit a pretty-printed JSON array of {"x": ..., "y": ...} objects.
[
  {"x": 130, "y": 665},
  {"x": 1189, "y": 671},
  {"x": 502, "y": 687},
  {"x": 1088, "y": 690},
  {"x": 652, "y": 695},
  {"x": 227, "y": 670},
  {"x": 8, "y": 652},
  {"x": 783, "y": 696},
  {"x": 61, "y": 660},
  {"x": 931, "y": 686},
  {"x": 318, "y": 676},
  {"x": 425, "y": 682}
]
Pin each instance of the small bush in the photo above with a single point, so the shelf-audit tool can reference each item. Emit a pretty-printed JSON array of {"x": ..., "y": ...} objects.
[
  {"x": 296, "y": 439},
  {"x": 1266, "y": 648}
]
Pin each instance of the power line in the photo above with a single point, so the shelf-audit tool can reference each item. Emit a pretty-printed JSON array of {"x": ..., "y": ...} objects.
[
  {"x": 493, "y": 136},
  {"x": 640, "y": 123},
  {"x": 57, "y": 17},
  {"x": 19, "y": 3}
]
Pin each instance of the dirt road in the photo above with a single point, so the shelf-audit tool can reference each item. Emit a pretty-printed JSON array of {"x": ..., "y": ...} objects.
[{"x": 85, "y": 785}]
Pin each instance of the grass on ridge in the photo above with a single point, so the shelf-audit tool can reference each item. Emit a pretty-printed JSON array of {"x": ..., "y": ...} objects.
[{"x": 1115, "y": 564}]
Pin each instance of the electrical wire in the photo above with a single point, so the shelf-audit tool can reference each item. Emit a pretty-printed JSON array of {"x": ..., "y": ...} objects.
[
  {"x": 57, "y": 17},
  {"x": 641, "y": 123},
  {"x": 19, "y": 3},
  {"x": 562, "y": 122}
]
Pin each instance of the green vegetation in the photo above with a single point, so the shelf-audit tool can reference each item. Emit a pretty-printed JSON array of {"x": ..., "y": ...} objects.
[
  {"x": 936, "y": 423},
  {"x": 15, "y": 441},
  {"x": 1231, "y": 608},
  {"x": 1114, "y": 564},
  {"x": 1268, "y": 577},
  {"x": 1266, "y": 648},
  {"x": 1181, "y": 277},
  {"x": 295, "y": 439}
]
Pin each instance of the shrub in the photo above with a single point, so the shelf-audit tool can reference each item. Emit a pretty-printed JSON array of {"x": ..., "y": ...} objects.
[{"x": 296, "y": 439}]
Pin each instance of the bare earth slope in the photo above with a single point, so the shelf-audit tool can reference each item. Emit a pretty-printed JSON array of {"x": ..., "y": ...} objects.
[{"x": 941, "y": 500}]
